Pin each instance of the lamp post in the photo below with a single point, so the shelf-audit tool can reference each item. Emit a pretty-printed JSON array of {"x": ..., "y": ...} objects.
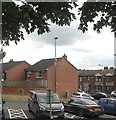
[
  {"x": 2, "y": 55},
  {"x": 55, "y": 38},
  {"x": 102, "y": 77}
]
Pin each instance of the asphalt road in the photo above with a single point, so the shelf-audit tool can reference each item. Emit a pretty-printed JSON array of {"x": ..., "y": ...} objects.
[{"x": 20, "y": 110}]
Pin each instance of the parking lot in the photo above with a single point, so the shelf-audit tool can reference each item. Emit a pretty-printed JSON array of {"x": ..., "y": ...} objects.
[{"x": 15, "y": 110}]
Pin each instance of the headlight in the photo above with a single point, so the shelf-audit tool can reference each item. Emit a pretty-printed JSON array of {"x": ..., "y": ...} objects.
[
  {"x": 62, "y": 108},
  {"x": 42, "y": 108}
]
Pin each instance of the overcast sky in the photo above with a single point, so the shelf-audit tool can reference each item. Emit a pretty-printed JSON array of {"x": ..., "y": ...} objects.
[{"x": 84, "y": 51}]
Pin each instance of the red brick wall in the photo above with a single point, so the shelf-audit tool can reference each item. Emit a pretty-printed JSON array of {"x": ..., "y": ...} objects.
[
  {"x": 66, "y": 77},
  {"x": 19, "y": 91},
  {"x": 33, "y": 76},
  {"x": 17, "y": 72}
]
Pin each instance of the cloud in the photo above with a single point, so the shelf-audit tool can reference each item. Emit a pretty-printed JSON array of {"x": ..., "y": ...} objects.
[{"x": 67, "y": 35}]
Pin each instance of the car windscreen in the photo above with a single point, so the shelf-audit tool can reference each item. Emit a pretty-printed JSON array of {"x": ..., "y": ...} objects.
[
  {"x": 88, "y": 102},
  {"x": 45, "y": 99}
]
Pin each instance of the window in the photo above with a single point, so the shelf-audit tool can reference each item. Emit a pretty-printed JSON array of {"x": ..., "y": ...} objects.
[
  {"x": 111, "y": 102},
  {"x": 78, "y": 102},
  {"x": 98, "y": 79},
  {"x": 80, "y": 79},
  {"x": 109, "y": 79},
  {"x": 39, "y": 74},
  {"x": 104, "y": 101},
  {"x": 29, "y": 74}
]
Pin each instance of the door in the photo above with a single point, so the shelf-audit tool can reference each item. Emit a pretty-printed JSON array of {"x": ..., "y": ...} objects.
[{"x": 111, "y": 107}]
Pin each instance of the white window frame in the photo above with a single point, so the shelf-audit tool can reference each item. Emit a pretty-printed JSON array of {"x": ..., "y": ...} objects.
[
  {"x": 38, "y": 74},
  {"x": 29, "y": 74}
]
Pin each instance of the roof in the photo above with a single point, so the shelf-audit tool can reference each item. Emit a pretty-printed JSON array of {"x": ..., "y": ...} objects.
[
  {"x": 108, "y": 99},
  {"x": 8, "y": 65},
  {"x": 44, "y": 64},
  {"x": 41, "y": 65},
  {"x": 106, "y": 72}
]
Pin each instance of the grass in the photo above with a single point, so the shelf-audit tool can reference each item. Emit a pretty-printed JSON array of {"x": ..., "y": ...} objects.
[
  {"x": 14, "y": 97},
  {"x": 10, "y": 97}
]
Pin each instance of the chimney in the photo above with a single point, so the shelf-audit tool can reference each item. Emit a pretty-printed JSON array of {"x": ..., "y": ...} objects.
[
  {"x": 105, "y": 68},
  {"x": 65, "y": 56},
  {"x": 11, "y": 60}
]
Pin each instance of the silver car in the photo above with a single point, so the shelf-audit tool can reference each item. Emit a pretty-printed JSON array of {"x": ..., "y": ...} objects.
[
  {"x": 39, "y": 105},
  {"x": 82, "y": 95},
  {"x": 113, "y": 93}
]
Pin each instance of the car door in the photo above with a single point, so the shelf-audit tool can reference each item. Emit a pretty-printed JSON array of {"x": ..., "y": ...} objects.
[
  {"x": 76, "y": 106},
  {"x": 35, "y": 104},
  {"x": 104, "y": 104},
  {"x": 68, "y": 106},
  {"x": 111, "y": 106}
]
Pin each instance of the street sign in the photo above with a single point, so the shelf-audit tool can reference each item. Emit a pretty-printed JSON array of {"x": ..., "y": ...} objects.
[{"x": 50, "y": 94}]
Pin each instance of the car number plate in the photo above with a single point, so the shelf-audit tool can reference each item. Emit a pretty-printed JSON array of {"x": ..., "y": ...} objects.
[
  {"x": 55, "y": 116},
  {"x": 97, "y": 109}
]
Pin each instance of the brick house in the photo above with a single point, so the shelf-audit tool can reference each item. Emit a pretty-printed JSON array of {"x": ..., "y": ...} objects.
[
  {"x": 103, "y": 80},
  {"x": 60, "y": 75},
  {"x": 13, "y": 74}
]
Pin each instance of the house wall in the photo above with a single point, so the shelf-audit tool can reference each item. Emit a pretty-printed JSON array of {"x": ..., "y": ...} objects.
[
  {"x": 33, "y": 76},
  {"x": 87, "y": 83},
  {"x": 66, "y": 78},
  {"x": 91, "y": 80},
  {"x": 17, "y": 72}
]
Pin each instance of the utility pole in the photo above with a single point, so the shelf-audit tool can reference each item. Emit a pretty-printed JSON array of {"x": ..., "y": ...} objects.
[
  {"x": 55, "y": 38},
  {"x": 102, "y": 73}
]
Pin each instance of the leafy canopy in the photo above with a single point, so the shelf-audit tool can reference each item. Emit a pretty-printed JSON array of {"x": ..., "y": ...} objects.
[
  {"x": 31, "y": 16},
  {"x": 104, "y": 12}
]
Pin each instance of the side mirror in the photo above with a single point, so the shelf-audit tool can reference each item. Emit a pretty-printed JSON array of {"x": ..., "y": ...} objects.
[{"x": 3, "y": 102}]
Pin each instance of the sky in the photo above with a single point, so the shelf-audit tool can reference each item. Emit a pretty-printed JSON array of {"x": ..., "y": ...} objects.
[{"x": 84, "y": 51}]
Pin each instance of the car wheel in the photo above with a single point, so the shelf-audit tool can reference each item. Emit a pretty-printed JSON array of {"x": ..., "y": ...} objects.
[
  {"x": 80, "y": 113},
  {"x": 29, "y": 108},
  {"x": 37, "y": 114},
  {"x": 62, "y": 117}
]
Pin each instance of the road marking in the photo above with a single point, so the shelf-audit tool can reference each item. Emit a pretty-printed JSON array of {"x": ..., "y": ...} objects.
[
  {"x": 19, "y": 113},
  {"x": 69, "y": 116}
]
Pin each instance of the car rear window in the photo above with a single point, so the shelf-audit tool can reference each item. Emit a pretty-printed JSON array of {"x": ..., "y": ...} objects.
[{"x": 88, "y": 102}]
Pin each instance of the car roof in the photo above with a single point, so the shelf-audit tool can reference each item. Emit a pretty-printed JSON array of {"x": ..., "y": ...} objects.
[
  {"x": 107, "y": 99},
  {"x": 39, "y": 92},
  {"x": 80, "y": 92},
  {"x": 81, "y": 99}
]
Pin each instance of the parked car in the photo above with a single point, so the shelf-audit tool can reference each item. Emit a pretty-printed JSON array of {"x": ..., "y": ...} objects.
[
  {"x": 83, "y": 107},
  {"x": 97, "y": 95},
  {"x": 82, "y": 95},
  {"x": 109, "y": 105},
  {"x": 39, "y": 104},
  {"x": 113, "y": 93}
]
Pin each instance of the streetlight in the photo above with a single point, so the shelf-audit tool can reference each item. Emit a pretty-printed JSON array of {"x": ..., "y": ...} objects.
[
  {"x": 55, "y": 38},
  {"x": 102, "y": 77}
]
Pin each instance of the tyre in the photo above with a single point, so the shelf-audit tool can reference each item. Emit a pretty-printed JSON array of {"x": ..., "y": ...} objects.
[
  {"x": 29, "y": 108},
  {"x": 37, "y": 114},
  {"x": 80, "y": 113},
  {"x": 62, "y": 116}
]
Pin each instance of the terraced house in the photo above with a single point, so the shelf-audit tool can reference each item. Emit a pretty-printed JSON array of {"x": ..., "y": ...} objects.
[
  {"x": 58, "y": 74},
  {"x": 103, "y": 80},
  {"x": 13, "y": 75}
]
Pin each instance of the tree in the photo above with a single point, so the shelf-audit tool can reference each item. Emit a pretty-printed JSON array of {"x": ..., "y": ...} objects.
[
  {"x": 31, "y": 16},
  {"x": 105, "y": 12}
]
